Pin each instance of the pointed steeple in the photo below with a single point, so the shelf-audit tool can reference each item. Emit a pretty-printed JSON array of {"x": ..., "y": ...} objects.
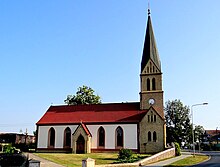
[{"x": 150, "y": 48}]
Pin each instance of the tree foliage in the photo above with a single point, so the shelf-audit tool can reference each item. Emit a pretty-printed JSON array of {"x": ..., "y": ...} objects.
[
  {"x": 179, "y": 128},
  {"x": 84, "y": 95},
  {"x": 199, "y": 131}
]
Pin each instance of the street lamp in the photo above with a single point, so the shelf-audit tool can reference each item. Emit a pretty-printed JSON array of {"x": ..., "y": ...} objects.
[{"x": 200, "y": 104}]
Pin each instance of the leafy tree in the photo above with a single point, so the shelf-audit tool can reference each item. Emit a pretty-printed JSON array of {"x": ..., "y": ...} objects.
[
  {"x": 199, "y": 131},
  {"x": 178, "y": 124},
  {"x": 84, "y": 95}
]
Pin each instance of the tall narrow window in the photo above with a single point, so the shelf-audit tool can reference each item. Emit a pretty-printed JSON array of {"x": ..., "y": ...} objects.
[
  {"x": 101, "y": 137},
  {"x": 119, "y": 137},
  {"x": 149, "y": 136},
  {"x": 154, "y": 136},
  {"x": 153, "y": 84},
  {"x": 67, "y": 137},
  {"x": 155, "y": 118},
  {"x": 151, "y": 118},
  {"x": 51, "y": 137},
  {"x": 148, "y": 84}
]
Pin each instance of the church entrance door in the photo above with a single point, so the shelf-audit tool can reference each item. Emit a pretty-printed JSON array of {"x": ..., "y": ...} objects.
[{"x": 80, "y": 145}]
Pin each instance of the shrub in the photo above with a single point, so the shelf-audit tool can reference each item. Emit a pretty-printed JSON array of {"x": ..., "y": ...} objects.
[
  {"x": 177, "y": 149},
  {"x": 9, "y": 149},
  {"x": 125, "y": 155}
]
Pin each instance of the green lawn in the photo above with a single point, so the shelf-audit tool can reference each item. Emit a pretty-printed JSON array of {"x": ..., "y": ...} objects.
[
  {"x": 75, "y": 160},
  {"x": 189, "y": 161}
]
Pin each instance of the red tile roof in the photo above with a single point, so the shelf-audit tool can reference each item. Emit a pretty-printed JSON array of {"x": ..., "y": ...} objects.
[
  {"x": 86, "y": 129},
  {"x": 94, "y": 113},
  {"x": 212, "y": 132}
]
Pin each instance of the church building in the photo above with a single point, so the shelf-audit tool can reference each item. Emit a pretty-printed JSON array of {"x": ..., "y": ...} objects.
[{"x": 108, "y": 127}]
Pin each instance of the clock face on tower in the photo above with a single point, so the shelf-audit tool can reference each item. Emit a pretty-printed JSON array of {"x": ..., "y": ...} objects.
[{"x": 151, "y": 101}]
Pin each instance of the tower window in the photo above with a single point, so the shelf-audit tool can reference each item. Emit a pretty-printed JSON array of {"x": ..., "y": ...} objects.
[
  {"x": 148, "y": 84},
  {"x": 153, "y": 84},
  {"x": 152, "y": 118},
  {"x": 149, "y": 136},
  {"x": 155, "y": 118},
  {"x": 154, "y": 136},
  {"x": 148, "y": 118}
]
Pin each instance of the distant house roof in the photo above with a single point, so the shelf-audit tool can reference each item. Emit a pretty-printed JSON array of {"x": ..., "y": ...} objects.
[
  {"x": 93, "y": 113},
  {"x": 212, "y": 132}
]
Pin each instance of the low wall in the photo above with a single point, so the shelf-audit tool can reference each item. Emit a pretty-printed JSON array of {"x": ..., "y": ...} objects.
[{"x": 157, "y": 157}]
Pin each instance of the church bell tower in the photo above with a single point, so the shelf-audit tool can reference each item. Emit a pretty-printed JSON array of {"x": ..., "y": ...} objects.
[{"x": 151, "y": 93}]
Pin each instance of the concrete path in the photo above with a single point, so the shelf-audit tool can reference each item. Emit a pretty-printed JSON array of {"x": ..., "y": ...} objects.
[
  {"x": 170, "y": 161},
  {"x": 43, "y": 162}
]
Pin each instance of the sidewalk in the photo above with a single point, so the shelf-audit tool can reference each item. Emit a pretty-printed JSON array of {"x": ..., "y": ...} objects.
[
  {"x": 43, "y": 162},
  {"x": 170, "y": 161}
]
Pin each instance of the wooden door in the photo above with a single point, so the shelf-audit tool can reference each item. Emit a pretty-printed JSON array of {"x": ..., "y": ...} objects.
[{"x": 80, "y": 145}]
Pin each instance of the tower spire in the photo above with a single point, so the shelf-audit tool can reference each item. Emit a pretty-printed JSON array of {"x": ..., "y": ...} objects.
[
  {"x": 148, "y": 8},
  {"x": 150, "y": 48}
]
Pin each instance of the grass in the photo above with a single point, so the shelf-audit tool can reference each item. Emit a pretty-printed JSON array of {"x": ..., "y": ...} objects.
[
  {"x": 75, "y": 160},
  {"x": 189, "y": 161}
]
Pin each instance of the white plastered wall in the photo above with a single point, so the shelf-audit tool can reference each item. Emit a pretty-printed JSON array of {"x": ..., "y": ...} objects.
[
  {"x": 59, "y": 135},
  {"x": 130, "y": 135}
]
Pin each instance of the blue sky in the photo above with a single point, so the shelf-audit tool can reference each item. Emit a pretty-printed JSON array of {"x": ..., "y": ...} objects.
[{"x": 50, "y": 48}]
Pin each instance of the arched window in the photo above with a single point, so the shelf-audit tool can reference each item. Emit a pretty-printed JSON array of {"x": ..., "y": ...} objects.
[
  {"x": 151, "y": 118},
  {"x": 67, "y": 137},
  {"x": 154, "y": 136},
  {"x": 149, "y": 136},
  {"x": 119, "y": 137},
  {"x": 101, "y": 137},
  {"x": 51, "y": 137},
  {"x": 148, "y": 84},
  {"x": 153, "y": 84}
]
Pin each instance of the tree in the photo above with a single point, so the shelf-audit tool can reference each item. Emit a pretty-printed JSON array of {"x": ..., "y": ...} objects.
[
  {"x": 178, "y": 124},
  {"x": 199, "y": 131},
  {"x": 84, "y": 95}
]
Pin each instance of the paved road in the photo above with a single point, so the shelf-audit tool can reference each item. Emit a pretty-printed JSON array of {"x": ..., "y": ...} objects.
[{"x": 213, "y": 162}]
